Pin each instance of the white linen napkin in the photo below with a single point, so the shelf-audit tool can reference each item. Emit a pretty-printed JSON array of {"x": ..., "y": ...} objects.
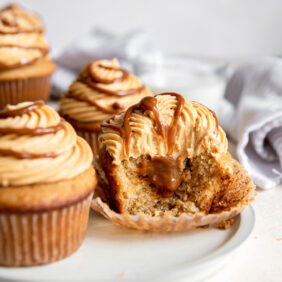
[
  {"x": 251, "y": 113},
  {"x": 100, "y": 44}
]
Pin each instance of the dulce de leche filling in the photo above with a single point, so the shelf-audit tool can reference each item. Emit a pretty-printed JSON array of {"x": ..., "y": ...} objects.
[
  {"x": 102, "y": 90},
  {"x": 37, "y": 146},
  {"x": 21, "y": 38},
  {"x": 166, "y": 130}
]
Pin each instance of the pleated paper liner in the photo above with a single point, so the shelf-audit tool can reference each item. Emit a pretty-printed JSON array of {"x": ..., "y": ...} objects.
[
  {"x": 34, "y": 238},
  {"x": 91, "y": 138},
  {"x": 21, "y": 90},
  {"x": 168, "y": 223}
]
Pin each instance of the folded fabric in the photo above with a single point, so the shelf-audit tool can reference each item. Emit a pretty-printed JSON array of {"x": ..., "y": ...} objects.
[
  {"x": 99, "y": 44},
  {"x": 251, "y": 114}
]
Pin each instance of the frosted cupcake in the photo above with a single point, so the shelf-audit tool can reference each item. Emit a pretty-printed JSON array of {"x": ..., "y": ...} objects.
[
  {"x": 25, "y": 65},
  {"x": 165, "y": 167},
  {"x": 102, "y": 90},
  {"x": 46, "y": 185}
]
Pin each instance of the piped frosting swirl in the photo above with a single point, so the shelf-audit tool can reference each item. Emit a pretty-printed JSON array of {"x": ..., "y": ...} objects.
[
  {"x": 37, "y": 146},
  {"x": 160, "y": 126},
  {"x": 21, "y": 38},
  {"x": 102, "y": 90}
]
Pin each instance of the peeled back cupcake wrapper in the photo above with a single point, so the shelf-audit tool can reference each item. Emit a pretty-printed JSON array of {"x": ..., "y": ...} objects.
[{"x": 167, "y": 223}]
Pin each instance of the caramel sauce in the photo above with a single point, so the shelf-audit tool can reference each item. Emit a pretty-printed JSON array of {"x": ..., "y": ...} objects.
[
  {"x": 23, "y": 155},
  {"x": 93, "y": 81},
  {"x": 27, "y": 131},
  {"x": 34, "y": 131},
  {"x": 163, "y": 172},
  {"x": 18, "y": 112},
  {"x": 150, "y": 104},
  {"x": 14, "y": 24},
  {"x": 97, "y": 79},
  {"x": 93, "y": 103}
]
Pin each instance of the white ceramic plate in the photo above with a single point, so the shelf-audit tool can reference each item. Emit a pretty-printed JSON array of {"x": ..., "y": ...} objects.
[{"x": 112, "y": 253}]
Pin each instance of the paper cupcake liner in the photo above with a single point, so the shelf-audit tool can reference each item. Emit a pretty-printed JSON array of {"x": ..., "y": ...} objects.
[
  {"x": 92, "y": 139},
  {"x": 20, "y": 90},
  {"x": 42, "y": 237},
  {"x": 166, "y": 223}
]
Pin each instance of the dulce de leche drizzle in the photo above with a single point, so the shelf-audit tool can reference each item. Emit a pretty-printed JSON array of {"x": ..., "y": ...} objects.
[
  {"x": 15, "y": 21},
  {"x": 24, "y": 155},
  {"x": 163, "y": 172},
  {"x": 93, "y": 81},
  {"x": 116, "y": 108},
  {"x": 150, "y": 104},
  {"x": 6, "y": 113}
]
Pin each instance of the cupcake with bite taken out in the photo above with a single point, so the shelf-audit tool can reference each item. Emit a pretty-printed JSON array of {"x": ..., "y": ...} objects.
[
  {"x": 46, "y": 185},
  {"x": 164, "y": 166},
  {"x": 102, "y": 90},
  {"x": 25, "y": 65}
]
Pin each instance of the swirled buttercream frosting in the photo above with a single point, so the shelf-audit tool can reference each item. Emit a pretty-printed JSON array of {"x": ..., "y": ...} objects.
[
  {"x": 164, "y": 125},
  {"x": 102, "y": 90},
  {"x": 38, "y": 146},
  {"x": 21, "y": 38}
]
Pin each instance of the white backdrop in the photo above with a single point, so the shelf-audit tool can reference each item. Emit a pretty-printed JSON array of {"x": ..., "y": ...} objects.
[{"x": 206, "y": 27}]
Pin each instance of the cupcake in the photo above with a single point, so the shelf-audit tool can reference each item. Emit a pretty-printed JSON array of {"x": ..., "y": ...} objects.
[
  {"x": 25, "y": 65},
  {"x": 46, "y": 185},
  {"x": 102, "y": 90},
  {"x": 164, "y": 166}
]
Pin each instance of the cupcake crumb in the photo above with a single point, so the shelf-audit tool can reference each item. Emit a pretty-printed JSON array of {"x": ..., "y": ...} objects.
[{"x": 225, "y": 224}]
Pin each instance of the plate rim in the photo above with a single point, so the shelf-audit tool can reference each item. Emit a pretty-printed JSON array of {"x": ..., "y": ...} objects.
[{"x": 245, "y": 228}]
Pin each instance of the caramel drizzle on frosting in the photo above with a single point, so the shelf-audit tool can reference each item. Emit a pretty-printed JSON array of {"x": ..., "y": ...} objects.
[
  {"x": 15, "y": 28},
  {"x": 6, "y": 113},
  {"x": 27, "y": 131},
  {"x": 33, "y": 131},
  {"x": 93, "y": 81},
  {"x": 14, "y": 23},
  {"x": 150, "y": 104},
  {"x": 24, "y": 155},
  {"x": 82, "y": 98}
]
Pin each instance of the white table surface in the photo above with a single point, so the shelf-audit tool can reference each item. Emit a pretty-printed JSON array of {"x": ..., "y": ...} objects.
[{"x": 260, "y": 257}]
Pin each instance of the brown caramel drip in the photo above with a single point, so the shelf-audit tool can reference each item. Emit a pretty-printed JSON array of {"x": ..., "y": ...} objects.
[
  {"x": 93, "y": 81},
  {"x": 14, "y": 23},
  {"x": 18, "y": 112},
  {"x": 150, "y": 104},
  {"x": 163, "y": 172},
  {"x": 171, "y": 129},
  {"x": 33, "y": 131},
  {"x": 97, "y": 79},
  {"x": 111, "y": 92},
  {"x": 93, "y": 103},
  {"x": 23, "y": 155}
]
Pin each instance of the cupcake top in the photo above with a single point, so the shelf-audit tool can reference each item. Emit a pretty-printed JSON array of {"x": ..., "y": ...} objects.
[
  {"x": 21, "y": 39},
  {"x": 164, "y": 125},
  {"x": 37, "y": 146},
  {"x": 102, "y": 90}
]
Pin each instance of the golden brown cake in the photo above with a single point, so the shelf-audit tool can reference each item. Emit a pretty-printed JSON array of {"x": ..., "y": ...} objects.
[
  {"x": 25, "y": 65},
  {"x": 46, "y": 185},
  {"x": 164, "y": 165},
  {"x": 102, "y": 90}
]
